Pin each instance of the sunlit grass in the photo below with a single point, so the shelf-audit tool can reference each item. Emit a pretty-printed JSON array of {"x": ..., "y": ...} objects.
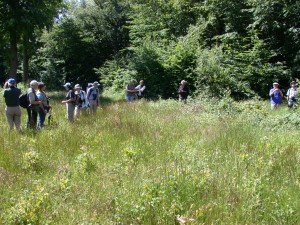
[{"x": 153, "y": 163}]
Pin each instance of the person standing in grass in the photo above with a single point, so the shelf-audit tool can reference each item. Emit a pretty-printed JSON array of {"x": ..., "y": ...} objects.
[
  {"x": 292, "y": 94},
  {"x": 183, "y": 91},
  {"x": 34, "y": 105},
  {"x": 130, "y": 91},
  {"x": 69, "y": 101},
  {"x": 93, "y": 97},
  {"x": 275, "y": 96},
  {"x": 141, "y": 89},
  {"x": 81, "y": 103},
  {"x": 12, "y": 109},
  {"x": 44, "y": 99}
]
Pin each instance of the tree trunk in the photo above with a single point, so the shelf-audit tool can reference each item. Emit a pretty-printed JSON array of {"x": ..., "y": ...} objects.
[
  {"x": 13, "y": 55},
  {"x": 25, "y": 58}
]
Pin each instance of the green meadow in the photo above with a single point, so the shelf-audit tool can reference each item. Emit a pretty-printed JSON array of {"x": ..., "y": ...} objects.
[{"x": 154, "y": 162}]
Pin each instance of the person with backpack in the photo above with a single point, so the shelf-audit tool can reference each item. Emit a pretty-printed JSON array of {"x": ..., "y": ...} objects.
[
  {"x": 12, "y": 109},
  {"x": 45, "y": 102},
  {"x": 81, "y": 102},
  {"x": 34, "y": 105},
  {"x": 69, "y": 101},
  {"x": 292, "y": 94},
  {"x": 93, "y": 97}
]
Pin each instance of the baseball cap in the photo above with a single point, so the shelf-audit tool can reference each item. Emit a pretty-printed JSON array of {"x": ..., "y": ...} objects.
[
  {"x": 68, "y": 84},
  {"x": 11, "y": 81}
]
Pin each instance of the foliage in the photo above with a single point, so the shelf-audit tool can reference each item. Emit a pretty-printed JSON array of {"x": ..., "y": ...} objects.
[
  {"x": 249, "y": 45},
  {"x": 19, "y": 21},
  {"x": 240, "y": 66}
]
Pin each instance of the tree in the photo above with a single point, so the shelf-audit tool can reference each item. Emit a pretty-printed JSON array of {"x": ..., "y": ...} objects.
[
  {"x": 19, "y": 19},
  {"x": 278, "y": 24}
]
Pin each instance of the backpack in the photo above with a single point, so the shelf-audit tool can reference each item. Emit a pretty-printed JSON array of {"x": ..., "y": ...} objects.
[
  {"x": 91, "y": 92},
  {"x": 78, "y": 100},
  {"x": 23, "y": 99}
]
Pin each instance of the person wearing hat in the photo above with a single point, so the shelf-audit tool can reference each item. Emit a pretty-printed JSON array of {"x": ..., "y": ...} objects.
[
  {"x": 69, "y": 101},
  {"x": 292, "y": 94},
  {"x": 44, "y": 99},
  {"x": 275, "y": 96},
  {"x": 34, "y": 105},
  {"x": 183, "y": 91},
  {"x": 130, "y": 94},
  {"x": 81, "y": 102},
  {"x": 12, "y": 109},
  {"x": 93, "y": 97}
]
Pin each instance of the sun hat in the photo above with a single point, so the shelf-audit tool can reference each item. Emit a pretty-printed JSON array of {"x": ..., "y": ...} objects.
[
  {"x": 293, "y": 82},
  {"x": 33, "y": 83},
  {"x": 11, "y": 82},
  {"x": 275, "y": 83},
  {"x": 77, "y": 86},
  {"x": 96, "y": 83}
]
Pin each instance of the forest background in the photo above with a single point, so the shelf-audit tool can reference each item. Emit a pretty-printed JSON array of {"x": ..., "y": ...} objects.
[{"x": 221, "y": 47}]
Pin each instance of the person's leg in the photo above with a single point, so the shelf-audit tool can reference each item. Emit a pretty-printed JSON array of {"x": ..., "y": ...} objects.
[
  {"x": 28, "y": 117},
  {"x": 130, "y": 98},
  {"x": 290, "y": 103},
  {"x": 41, "y": 118},
  {"x": 17, "y": 117},
  {"x": 77, "y": 111},
  {"x": 83, "y": 111},
  {"x": 70, "y": 112},
  {"x": 9, "y": 117},
  {"x": 34, "y": 115},
  {"x": 273, "y": 106},
  {"x": 93, "y": 106}
]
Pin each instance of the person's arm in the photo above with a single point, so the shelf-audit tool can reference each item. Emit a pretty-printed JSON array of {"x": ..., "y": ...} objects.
[
  {"x": 71, "y": 96},
  {"x": 271, "y": 92},
  {"x": 85, "y": 99},
  {"x": 281, "y": 94},
  {"x": 40, "y": 97},
  {"x": 32, "y": 99},
  {"x": 180, "y": 90},
  {"x": 98, "y": 96},
  {"x": 129, "y": 89},
  {"x": 143, "y": 88}
]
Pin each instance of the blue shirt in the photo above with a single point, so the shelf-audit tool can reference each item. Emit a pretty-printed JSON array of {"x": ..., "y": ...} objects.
[{"x": 276, "y": 97}]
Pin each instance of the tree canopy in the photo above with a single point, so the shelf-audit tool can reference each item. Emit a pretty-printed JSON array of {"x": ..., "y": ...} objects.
[{"x": 218, "y": 46}]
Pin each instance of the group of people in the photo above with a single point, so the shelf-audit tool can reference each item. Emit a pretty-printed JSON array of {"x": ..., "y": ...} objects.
[
  {"x": 76, "y": 101},
  {"x": 133, "y": 92},
  {"x": 276, "y": 95},
  {"x": 38, "y": 104}
]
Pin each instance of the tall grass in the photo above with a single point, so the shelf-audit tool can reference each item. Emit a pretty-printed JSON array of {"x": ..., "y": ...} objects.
[{"x": 154, "y": 163}]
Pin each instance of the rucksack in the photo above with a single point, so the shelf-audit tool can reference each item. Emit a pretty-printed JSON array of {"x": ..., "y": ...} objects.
[
  {"x": 23, "y": 99},
  {"x": 78, "y": 100},
  {"x": 91, "y": 92}
]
